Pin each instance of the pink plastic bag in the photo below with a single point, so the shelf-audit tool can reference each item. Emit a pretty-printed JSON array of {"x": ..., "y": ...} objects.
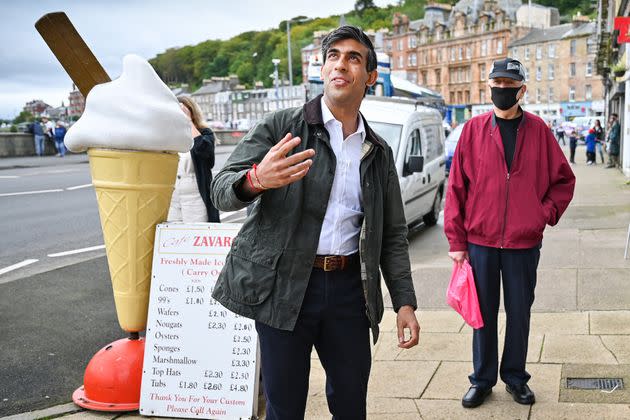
[{"x": 462, "y": 295}]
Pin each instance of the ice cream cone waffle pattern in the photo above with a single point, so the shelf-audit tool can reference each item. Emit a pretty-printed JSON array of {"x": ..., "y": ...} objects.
[{"x": 133, "y": 190}]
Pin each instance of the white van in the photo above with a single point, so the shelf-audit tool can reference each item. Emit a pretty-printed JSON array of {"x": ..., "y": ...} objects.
[{"x": 415, "y": 134}]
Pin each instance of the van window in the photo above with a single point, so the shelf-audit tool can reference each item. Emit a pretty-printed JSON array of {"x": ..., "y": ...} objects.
[
  {"x": 414, "y": 147},
  {"x": 433, "y": 142},
  {"x": 389, "y": 132}
]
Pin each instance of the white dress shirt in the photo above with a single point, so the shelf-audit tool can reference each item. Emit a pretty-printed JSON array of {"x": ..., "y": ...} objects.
[{"x": 344, "y": 214}]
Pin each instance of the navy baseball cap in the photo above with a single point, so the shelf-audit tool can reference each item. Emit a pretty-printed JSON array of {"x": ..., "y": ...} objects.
[{"x": 509, "y": 68}]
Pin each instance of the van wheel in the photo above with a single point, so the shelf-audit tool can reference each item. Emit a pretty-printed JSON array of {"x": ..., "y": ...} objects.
[{"x": 431, "y": 218}]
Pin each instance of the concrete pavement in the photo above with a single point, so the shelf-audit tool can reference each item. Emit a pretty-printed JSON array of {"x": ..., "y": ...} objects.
[{"x": 580, "y": 326}]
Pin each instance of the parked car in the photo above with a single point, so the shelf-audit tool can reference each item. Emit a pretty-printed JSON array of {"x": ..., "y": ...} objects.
[
  {"x": 449, "y": 147},
  {"x": 416, "y": 136},
  {"x": 581, "y": 125}
]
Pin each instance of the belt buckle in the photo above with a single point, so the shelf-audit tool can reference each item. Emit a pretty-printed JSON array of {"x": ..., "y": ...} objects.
[{"x": 328, "y": 260}]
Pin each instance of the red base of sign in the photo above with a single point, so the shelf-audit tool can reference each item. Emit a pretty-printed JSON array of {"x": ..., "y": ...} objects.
[{"x": 112, "y": 378}]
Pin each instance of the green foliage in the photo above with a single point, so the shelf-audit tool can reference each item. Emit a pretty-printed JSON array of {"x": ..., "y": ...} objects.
[
  {"x": 23, "y": 116},
  {"x": 568, "y": 8},
  {"x": 13, "y": 129}
]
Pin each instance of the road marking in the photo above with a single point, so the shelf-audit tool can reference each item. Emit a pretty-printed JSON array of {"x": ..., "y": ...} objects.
[
  {"x": 30, "y": 192},
  {"x": 76, "y": 251},
  {"x": 78, "y": 187},
  {"x": 18, "y": 265},
  {"x": 8, "y": 176}
]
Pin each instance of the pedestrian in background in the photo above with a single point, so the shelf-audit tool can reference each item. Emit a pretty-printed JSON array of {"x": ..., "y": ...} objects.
[
  {"x": 560, "y": 134},
  {"x": 613, "y": 141},
  {"x": 599, "y": 139},
  {"x": 573, "y": 140},
  {"x": 326, "y": 187},
  {"x": 191, "y": 198},
  {"x": 590, "y": 147},
  {"x": 60, "y": 134},
  {"x": 38, "y": 137},
  {"x": 497, "y": 207}
]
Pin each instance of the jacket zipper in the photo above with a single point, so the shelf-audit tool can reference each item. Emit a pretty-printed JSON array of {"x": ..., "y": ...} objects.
[
  {"x": 362, "y": 239},
  {"x": 507, "y": 191}
]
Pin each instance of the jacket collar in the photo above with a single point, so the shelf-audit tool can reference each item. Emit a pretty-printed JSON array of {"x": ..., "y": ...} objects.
[
  {"x": 313, "y": 116},
  {"x": 494, "y": 117}
]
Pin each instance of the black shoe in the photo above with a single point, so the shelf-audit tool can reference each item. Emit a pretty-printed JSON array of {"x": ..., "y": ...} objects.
[
  {"x": 521, "y": 394},
  {"x": 475, "y": 396}
]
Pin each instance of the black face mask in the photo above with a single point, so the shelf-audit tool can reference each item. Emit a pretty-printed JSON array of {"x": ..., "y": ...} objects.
[{"x": 504, "y": 98}]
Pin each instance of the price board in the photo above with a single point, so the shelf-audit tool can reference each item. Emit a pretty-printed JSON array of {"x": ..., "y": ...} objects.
[{"x": 200, "y": 359}]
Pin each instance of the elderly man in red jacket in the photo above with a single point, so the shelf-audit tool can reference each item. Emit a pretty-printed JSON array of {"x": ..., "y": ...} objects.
[{"x": 508, "y": 180}]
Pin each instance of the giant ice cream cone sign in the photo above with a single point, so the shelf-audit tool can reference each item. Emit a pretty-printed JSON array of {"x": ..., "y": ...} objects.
[{"x": 132, "y": 128}]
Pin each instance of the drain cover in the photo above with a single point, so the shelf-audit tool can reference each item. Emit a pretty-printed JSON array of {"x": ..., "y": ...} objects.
[{"x": 595, "y": 383}]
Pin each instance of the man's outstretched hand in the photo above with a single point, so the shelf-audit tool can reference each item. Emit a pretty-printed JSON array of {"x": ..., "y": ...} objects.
[{"x": 277, "y": 170}]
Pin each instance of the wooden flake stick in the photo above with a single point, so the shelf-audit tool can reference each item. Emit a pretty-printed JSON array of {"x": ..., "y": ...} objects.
[{"x": 71, "y": 51}]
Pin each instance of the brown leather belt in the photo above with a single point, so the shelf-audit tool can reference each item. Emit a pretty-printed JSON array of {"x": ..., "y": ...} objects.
[{"x": 335, "y": 262}]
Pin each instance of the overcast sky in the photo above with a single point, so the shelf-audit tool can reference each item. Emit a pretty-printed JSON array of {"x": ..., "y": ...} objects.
[{"x": 113, "y": 28}]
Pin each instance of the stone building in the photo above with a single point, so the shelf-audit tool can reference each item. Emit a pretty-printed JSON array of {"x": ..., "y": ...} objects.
[
  {"x": 560, "y": 63},
  {"x": 451, "y": 50}
]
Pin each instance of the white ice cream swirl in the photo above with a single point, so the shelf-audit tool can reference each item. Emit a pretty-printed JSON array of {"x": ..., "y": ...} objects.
[{"x": 137, "y": 111}]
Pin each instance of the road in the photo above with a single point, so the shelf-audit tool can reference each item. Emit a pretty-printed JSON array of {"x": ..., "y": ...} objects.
[{"x": 49, "y": 211}]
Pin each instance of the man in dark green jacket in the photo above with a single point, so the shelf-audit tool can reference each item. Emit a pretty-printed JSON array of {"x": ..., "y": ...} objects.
[{"x": 327, "y": 214}]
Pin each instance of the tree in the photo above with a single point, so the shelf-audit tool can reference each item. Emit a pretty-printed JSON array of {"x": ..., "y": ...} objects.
[
  {"x": 23, "y": 116},
  {"x": 362, "y": 5}
]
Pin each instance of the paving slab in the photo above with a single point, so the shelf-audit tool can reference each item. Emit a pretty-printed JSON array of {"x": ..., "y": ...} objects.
[
  {"x": 91, "y": 415},
  {"x": 575, "y": 349},
  {"x": 545, "y": 381},
  {"x": 619, "y": 346},
  {"x": 566, "y": 411},
  {"x": 440, "y": 321},
  {"x": 603, "y": 289},
  {"x": 617, "y": 396},
  {"x": 440, "y": 346},
  {"x": 491, "y": 409},
  {"x": 387, "y": 346},
  {"x": 430, "y": 285},
  {"x": 398, "y": 416},
  {"x": 555, "y": 290},
  {"x": 400, "y": 379},
  {"x": 559, "y": 323},
  {"x": 534, "y": 347},
  {"x": 378, "y": 405},
  {"x": 450, "y": 381},
  {"x": 560, "y": 249},
  {"x": 610, "y": 322}
]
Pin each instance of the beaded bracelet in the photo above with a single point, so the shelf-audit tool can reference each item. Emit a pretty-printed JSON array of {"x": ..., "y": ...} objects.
[{"x": 258, "y": 179}]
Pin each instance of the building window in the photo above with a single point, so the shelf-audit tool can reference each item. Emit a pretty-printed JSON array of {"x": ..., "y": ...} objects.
[
  {"x": 538, "y": 73},
  {"x": 482, "y": 71},
  {"x": 572, "y": 70},
  {"x": 400, "y": 44},
  {"x": 515, "y": 53},
  {"x": 425, "y": 57},
  {"x": 438, "y": 76},
  {"x": 526, "y": 97},
  {"x": 401, "y": 62},
  {"x": 500, "y": 46},
  {"x": 589, "y": 68},
  {"x": 412, "y": 41},
  {"x": 452, "y": 97},
  {"x": 588, "y": 95},
  {"x": 467, "y": 96},
  {"x": 538, "y": 53},
  {"x": 551, "y": 71},
  {"x": 482, "y": 96},
  {"x": 484, "y": 48},
  {"x": 526, "y": 74},
  {"x": 526, "y": 53},
  {"x": 460, "y": 99},
  {"x": 460, "y": 55},
  {"x": 550, "y": 94},
  {"x": 572, "y": 93},
  {"x": 453, "y": 54},
  {"x": 424, "y": 78},
  {"x": 551, "y": 51},
  {"x": 538, "y": 95},
  {"x": 573, "y": 47},
  {"x": 468, "y": 52}
]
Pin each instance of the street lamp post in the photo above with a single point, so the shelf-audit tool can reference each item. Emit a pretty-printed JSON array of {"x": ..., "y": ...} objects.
[{"x": 275, "y": 62}]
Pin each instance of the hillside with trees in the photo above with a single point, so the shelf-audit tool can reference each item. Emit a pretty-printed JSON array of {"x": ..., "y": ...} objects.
[{"x": 249, "y": 54}]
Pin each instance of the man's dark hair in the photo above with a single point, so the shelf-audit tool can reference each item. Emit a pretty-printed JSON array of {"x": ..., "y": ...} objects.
[
  {"x": 350, "y": 32},
  {"x": 614, "y": 115}
]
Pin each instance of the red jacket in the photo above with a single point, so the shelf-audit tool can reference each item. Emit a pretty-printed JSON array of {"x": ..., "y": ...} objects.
[{"x": 488, "y": 206}]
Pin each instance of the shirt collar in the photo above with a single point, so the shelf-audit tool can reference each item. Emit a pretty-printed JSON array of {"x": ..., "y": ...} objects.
[{"x": 327, "y": 116}]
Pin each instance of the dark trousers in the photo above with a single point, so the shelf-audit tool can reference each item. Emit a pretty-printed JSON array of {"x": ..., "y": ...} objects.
[
  {"x": 590, "y": 157},
  {"x": 517, "y": 268},
  {"x": 572, "y": 147},
  {"x": 332, "y": 319}
]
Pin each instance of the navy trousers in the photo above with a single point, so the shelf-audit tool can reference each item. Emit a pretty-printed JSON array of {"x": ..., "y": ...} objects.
[
  {"x": 333, "y": 320},
  {"x": 517, "y": 268}
]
